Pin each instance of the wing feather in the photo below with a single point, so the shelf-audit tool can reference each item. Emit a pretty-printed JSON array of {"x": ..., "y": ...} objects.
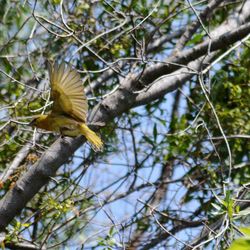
[{"x": 67, "y": 92}]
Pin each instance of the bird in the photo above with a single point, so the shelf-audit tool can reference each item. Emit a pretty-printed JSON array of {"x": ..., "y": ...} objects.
[{"x": 68, "y": 115}]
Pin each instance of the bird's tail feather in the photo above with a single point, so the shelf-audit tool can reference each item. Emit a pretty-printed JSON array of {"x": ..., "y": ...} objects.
[{"x": 92, "y": 137}]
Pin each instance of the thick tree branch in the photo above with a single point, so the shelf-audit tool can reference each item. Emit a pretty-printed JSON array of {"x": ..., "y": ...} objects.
[
  {"x": 190, "y": 30},
  {"x": 220, "y": 42}
]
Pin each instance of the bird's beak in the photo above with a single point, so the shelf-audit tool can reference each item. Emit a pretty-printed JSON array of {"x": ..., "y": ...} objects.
[{"x": 32, "y": 123}]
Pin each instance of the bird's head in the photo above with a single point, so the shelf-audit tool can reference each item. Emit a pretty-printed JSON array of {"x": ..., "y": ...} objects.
[{"x": 36, "y": 122}]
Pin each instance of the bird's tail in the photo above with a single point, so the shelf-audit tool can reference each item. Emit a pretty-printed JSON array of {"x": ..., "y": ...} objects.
[{"x": 92, "y": 137}]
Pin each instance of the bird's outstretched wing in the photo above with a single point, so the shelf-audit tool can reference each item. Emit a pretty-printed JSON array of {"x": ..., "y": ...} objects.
[{"x": 67, "y": 92}]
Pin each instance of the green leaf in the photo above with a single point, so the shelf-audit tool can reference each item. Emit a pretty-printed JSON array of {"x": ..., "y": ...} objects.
[
  {"x": 112, "y": 231},
  {"x": 196, "y": 38},
  {"x": 148, "y": 140},
  {"x": 155, "y": 132},
  {"x": 245, "y": 230},
  {"x": 240, "y": 244},
  {"x": 56, "y": 2}
]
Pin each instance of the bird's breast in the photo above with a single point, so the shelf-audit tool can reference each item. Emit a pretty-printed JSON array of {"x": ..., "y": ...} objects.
[{"x": 64, "y": 125}]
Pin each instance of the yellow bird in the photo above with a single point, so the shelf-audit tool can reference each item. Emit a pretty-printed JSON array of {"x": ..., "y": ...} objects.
[{"x": 70, "y": 106}]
